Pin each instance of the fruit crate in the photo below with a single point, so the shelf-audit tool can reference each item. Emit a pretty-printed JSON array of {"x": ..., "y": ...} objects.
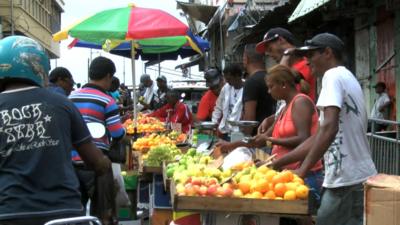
[
  {"x": 166, "y": 180},
  {"x": 152, "y": 169},
  {"x": 295, "y": 208}
]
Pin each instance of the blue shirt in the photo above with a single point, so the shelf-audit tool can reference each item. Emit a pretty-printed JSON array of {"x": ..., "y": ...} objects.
[{"x": 37, "y": 132}]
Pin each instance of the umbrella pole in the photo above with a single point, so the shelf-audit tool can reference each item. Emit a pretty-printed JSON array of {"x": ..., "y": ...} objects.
[{"x": 134, "y": 85}]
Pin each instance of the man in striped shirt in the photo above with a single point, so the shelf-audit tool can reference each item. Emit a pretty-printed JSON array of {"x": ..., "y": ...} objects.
[{"x": 96, "y": 105}]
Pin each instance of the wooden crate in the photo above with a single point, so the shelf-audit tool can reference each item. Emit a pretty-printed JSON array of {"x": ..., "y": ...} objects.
[
  {"x": 238, "y": 205},
  {"x": 152, "y": 169},
  {"x": 166, "y": 180}
]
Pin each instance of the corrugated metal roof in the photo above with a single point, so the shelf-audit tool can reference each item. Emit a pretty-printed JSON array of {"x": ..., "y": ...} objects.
[{"x": 305, "y": 7}]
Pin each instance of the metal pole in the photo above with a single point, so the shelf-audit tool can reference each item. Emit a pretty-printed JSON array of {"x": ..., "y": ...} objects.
[
  {"x": 12, "y": 16},
  {"x": 134, "y": 84},
  {"x": 221, "y": 39},
  {"x": 159, "y": 66},
  {"x": 124, "y": 70}
]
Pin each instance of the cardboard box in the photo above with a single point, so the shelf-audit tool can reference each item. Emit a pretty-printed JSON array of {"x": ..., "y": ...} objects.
[{"x": 382, "y": 200}]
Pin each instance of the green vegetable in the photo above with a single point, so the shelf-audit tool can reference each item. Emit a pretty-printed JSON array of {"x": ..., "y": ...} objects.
[{"x": 161, "y": 153}]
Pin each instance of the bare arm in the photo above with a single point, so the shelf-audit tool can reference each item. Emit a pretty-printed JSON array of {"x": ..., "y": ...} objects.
[
  {"x": 249, "y": 113},
  {"x": 266, "y": 124},
  {"x": 296, "y": 155},
  {"x": 325, "y": 136},
  {"x": 93, "y": 157}
]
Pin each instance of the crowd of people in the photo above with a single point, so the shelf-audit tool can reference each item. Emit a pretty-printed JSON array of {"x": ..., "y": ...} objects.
[{"x": 322, "y": 139}]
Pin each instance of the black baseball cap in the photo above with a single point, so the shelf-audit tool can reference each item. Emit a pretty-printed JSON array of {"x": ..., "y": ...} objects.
[
  {"x": 162, "y": 78},
  {"x": 322, "y": 40},
  {"x": 273, "y": 34},
  {"x": 213, "y": 77}
]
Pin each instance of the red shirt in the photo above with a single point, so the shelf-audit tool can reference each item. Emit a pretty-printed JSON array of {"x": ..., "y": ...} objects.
[
  {"x": 302, "y": 67},
  {"x": 206, "y": 106},
  {"x": 178, "y": 114},
  {"x": 284, "y": 127}
]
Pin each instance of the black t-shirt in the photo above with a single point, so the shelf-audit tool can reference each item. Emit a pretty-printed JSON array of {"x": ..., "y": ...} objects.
[
  {"x": 159, "y": 99},
  {"x": 255, "y": 90},
  {"x": 37, "y": 131}
]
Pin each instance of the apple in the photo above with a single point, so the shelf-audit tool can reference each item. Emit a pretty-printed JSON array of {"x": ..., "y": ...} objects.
[
  {"x": 180, "y": 189},
  {"x": 237, "y": 193},
  {"x": 190, "y": 190},
  {"x": 211, "y": 181},
  {"x": 202, "y": 190},
  {"x": 227, "y": 191},
  {"x": 220, "y": 191},
  {"x": 197, "y": 181},
  {"x": 212, "y": 190}
]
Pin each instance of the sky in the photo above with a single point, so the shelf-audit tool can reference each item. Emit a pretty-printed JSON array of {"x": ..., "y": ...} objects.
[{"x": 77, "y": 59}]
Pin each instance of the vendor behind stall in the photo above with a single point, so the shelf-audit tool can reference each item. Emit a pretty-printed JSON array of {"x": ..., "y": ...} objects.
[{"x": 174, "y": 112}]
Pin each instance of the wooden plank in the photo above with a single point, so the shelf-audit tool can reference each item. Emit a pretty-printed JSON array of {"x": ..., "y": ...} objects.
[
  {"x": 152, "y": 169},
  {"x": 237, "y": 205},
  {"x": 166, "y": 180}
]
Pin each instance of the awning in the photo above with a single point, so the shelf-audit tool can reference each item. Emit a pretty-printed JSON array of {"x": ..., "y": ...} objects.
[
  {"x": 194, "y": 61},
  {"x": 199, "y": 12},
  {"x": 305, "y": 7}
]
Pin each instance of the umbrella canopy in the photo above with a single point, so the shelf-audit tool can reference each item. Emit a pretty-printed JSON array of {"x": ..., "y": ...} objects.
[
  {"x": 167, "y": 48},
  {"x": 127, "y": 23}
]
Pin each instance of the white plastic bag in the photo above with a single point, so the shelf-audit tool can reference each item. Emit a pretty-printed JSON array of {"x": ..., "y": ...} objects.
[
  {"x": 240, "y": 154},
  {"x": 122, "y": 198}
]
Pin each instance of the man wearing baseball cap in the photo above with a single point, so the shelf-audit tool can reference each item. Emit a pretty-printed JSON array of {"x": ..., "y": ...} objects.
[
  {"x": 380, "y": 110},
  {"x": 341, "y": 137},
  {"x": 279, "y": 43},
  {"x": 215, "y": 82},
  {"x": 159, "y": 97}
]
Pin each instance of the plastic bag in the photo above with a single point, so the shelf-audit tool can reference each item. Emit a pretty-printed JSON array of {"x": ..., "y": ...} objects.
[
  {"x": 241, "y": 154},
  {"x": 122, "y": 198}
]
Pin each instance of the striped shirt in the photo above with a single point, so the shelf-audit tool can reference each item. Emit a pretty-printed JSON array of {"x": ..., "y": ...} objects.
[{"x": 96, "y": 106}]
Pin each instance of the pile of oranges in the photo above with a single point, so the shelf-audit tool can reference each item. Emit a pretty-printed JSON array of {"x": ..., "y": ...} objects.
[
  {"x": 266, "y": 183},
  {"x": 145, "y": 143},
  {"x": 145, "y": 124}
]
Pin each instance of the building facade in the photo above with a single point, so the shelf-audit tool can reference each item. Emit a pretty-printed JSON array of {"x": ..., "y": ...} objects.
[{"x": 37, "y": 19}]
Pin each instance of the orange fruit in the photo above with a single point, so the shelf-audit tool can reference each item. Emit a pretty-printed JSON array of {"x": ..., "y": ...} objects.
[
  {"x": 244, "y": 187},
  {"x": 278, "y": 178},
  {"x": 262, "y": 186},
  {"x": 270, "y": 195},
  {"x": 262, "y": 169},
  {"x": 289, "y": 195},
  {"x": 287, "y": 176},
  {"x": 291, "y": 186},
  {"x": 256, "y": 194},
  {"x": 270, "y": 174},
  {"x": 280, "y": 189},
  {"x": 302, "y": 192},
  {"x": 298, "y": 180}
]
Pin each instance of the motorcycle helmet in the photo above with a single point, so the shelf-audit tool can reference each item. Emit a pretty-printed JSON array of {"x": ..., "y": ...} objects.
[{"x": 22, "y": 58}]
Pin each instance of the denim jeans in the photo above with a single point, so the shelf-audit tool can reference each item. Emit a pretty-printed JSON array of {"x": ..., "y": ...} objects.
[{"x": 342, "y": 206}]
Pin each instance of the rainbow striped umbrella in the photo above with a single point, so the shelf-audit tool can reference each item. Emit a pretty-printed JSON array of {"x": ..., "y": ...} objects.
[{"x": 111, "y": 27}]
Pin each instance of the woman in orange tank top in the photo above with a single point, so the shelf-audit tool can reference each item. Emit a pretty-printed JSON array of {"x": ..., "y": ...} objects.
[{"x": 296, "y": 122}]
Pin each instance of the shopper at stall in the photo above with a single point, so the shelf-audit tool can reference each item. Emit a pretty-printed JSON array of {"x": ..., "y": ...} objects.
[
  {"x": 96, "y": 105},
  {"x": 175, "y": 113},
  {"x": 257, "y": 103},
  {"x": 159, "y": 98},
  {"x": 38, "y": 129},
  {"x": 341, "y": 137},
  {"x": 380, "y": 109},
  {"x": 114, "y": 90},
  {"x": 215, "y": 82},
  {"x": 61, "y": 81},
  {"x": 229, "y": 103},
  {"x": 279, "y": 43},
  {"x": 149, "y": 89}
]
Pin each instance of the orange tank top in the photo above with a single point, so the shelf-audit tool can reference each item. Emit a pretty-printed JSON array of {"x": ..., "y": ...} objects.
[{"x": 284, "y": 127}]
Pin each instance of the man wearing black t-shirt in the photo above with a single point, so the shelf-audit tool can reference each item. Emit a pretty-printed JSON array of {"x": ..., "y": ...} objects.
[{"x": 257, "y": 103}]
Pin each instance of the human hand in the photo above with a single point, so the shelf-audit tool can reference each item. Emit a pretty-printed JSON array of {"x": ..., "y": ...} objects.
[
  {"x": 263, "y": 126},
  {"x": 224, "y": 146},
  {"x": 299, "y": 172}
]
